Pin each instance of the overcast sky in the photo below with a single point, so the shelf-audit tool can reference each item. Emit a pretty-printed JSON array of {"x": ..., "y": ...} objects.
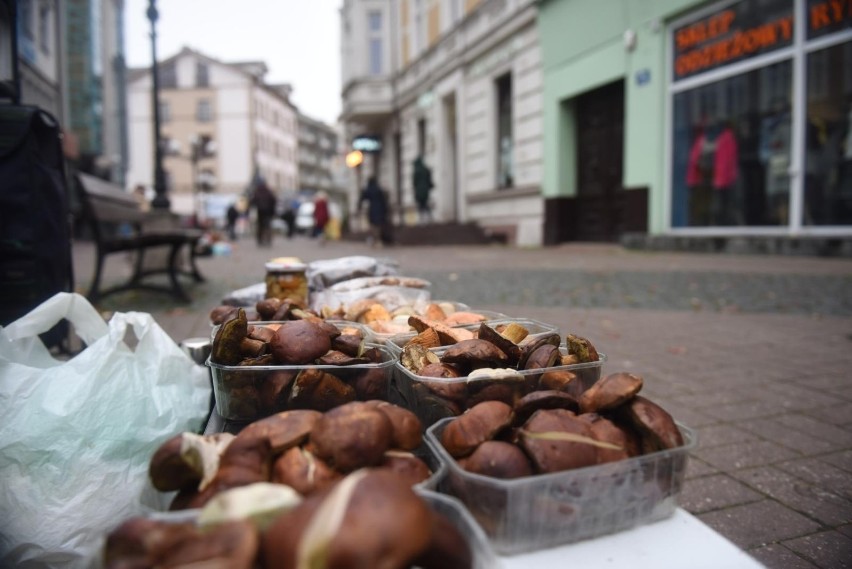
[{"x": 299, "y": 40}]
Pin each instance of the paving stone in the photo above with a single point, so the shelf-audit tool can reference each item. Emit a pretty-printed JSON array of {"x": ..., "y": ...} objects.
[
  {"x": 696, "y": 467},
  {"x": 845, "y": 530},
  {"x": 821, "y": 474},
  {"x": 839, "y": 414},
  {"x": 778, "y": 429},
  {"x": 714, "y": 492},
  {"x": 829, "y": 550},
  {"x": 841, "y": 459},
  {"x": 777, "y": 556},
  {"x": 744, "y": 455},
  {"x": 827, "y": 432},
  {"x": 744, "y": 411},
  {"x": 723, "y": 434},
  {"x": 692, "y": 418},
  {"x": 759, "y": 523},
  {"x": 800, "y": 495}
]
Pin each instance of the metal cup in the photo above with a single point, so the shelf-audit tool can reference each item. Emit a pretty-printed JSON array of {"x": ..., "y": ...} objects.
[{"x": 198, "y": 349}]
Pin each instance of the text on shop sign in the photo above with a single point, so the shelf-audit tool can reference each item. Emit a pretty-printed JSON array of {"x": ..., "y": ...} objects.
[
  {"x": 747, "y": 29},
  {"x": 718, "y": 39}
]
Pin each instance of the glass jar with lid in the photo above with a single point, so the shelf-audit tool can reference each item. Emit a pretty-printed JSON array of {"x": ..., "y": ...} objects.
[{"x": 286, "y": 278}]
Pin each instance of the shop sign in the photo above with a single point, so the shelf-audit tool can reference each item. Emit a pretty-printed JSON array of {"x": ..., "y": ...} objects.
[
  {"x": 746, "y": 29},
  {"x": 828, "y": 16},
  {"x": 367, "y": 144}
]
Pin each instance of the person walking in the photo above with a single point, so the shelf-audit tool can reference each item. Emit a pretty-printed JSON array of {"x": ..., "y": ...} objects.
[
  {"x": 232, "y": 216},
  {"x": 320, "y": 214},
  {"x": 289, "y": 217},
  {"x": 263, "y": 201},
  {"x": 422, "y": 182},
  {"x": 377, "y": 212}
]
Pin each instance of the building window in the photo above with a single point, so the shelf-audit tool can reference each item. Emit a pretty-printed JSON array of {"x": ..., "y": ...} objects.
[
  {"x": 828, "y": 137},
  {"x": 204, "y": 111},
  {"x": 374, "y": 29},
  {"x": 419, "y": 26},
  {"x": 25, "y": 17},
  {"x": 165, "y": 112},
  {"x": 202, "y": 74},
  {"x": 732, "y": 155},
  {"x": 505, "y": 173},
  {"x": 739, "y": 133},
  {"x": 44, "y": 29},
  {"x": 168, "y": 76}
]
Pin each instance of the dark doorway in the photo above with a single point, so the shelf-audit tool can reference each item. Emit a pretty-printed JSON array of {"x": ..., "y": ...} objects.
[
  {"x": 602, "y": 210},
  {"x": 600, "y": 159}
]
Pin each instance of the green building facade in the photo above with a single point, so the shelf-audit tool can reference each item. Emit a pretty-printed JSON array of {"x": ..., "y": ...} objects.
[{"x": 696, "y": 118}]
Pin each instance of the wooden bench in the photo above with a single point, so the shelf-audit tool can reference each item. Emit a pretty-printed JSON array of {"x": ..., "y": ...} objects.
[{"x": 118, "y": 225}]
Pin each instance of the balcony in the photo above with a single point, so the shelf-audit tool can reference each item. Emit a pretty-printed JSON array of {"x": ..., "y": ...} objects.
[{"x": 368, "y": 100}]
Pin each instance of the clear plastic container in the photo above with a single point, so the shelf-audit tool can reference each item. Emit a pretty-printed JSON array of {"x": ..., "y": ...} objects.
[
  {"x": 433, "y": 399},
  {"x": 547, "y": 510},
  {"x": 395, "y": 342},
  {"x": 248, "y": 393},
  {"x": 484, "y": 556}
]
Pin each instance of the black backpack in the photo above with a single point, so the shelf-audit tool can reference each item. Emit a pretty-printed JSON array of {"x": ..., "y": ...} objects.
[{"x": 35, "y": 232}]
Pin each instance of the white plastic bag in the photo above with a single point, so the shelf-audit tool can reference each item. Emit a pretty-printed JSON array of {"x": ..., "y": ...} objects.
[{"x": 77, "y": 435}]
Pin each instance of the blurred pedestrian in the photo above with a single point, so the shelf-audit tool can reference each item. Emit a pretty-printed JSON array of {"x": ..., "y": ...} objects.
[
  {"x": 422, "y": 182},
  {"x": 289, "y": 217},
  {"x": 232, "y": 216},
  {"x": 263, "y": 201},
  {"x": 320, "y": 214},
  {"x": 377, "y": 212}
]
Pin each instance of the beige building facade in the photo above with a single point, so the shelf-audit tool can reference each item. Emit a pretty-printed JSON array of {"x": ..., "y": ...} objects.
[
  {"x": 221, "y": 126},
  {"x": 458, "y": 83}
]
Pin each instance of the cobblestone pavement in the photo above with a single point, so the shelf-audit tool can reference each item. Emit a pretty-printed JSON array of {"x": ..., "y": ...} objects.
[{"x": 753, "y": 352}]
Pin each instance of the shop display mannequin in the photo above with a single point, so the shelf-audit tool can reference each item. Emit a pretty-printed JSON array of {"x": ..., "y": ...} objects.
[{"x": 712, "y": 174}]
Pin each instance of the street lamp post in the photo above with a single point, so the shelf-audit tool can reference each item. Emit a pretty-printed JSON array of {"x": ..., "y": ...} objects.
[{"x": 161, "y": 200}]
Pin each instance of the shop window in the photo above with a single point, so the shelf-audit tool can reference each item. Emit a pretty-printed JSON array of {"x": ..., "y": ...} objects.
[
  {"x": 731, "y": 150},
  {"x": 828, "y": 137},
  {"x": 505, "y": 174}
]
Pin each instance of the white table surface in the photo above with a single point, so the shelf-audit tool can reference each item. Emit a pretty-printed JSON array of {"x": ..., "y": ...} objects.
[{"x": 679, "y": 542}]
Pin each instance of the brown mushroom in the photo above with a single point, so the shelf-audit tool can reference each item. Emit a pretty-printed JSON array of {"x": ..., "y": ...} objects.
[
  {"x": 298, "y": 342},
  {"x": 556, "y": 440},
  {"x": 371, "y": 518},
  {"x": 478, "y": 424},
  {"x": 352, "y": 436},
  {"x": 498, "y": 459},
  {"x": 610, "y": 392}
]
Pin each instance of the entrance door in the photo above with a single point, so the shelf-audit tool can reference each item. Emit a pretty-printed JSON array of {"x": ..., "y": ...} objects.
[{"x": 600, "y": 158}]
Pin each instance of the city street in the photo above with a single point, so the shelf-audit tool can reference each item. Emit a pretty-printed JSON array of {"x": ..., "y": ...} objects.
[{"x": 753, "y": 352}]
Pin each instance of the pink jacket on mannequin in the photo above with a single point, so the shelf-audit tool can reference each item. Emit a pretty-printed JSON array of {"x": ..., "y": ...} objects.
[{"x": 725, "y": 161}]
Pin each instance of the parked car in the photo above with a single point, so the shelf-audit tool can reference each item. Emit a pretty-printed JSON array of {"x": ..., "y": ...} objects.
[{"x": 305, "y": 218}]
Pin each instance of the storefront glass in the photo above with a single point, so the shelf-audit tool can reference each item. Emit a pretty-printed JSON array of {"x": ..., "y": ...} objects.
[
  {"x": 735, "y": 68},
  {"x": 732, "y": 150},
  {"x": 828, "y": 137}
]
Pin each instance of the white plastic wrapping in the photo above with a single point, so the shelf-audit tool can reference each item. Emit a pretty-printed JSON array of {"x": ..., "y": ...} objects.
[{"x": 78, "y": 433}]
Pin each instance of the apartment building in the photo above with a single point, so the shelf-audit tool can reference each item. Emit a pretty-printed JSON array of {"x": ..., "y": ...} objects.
[
  {"x": 318, "y": 156},
  {"x": 222, "y": 126},
  {"x": 458, "y": 83}
]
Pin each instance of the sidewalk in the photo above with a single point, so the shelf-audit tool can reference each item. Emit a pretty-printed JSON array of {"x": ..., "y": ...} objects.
[{"x": 754, "y": 352}]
